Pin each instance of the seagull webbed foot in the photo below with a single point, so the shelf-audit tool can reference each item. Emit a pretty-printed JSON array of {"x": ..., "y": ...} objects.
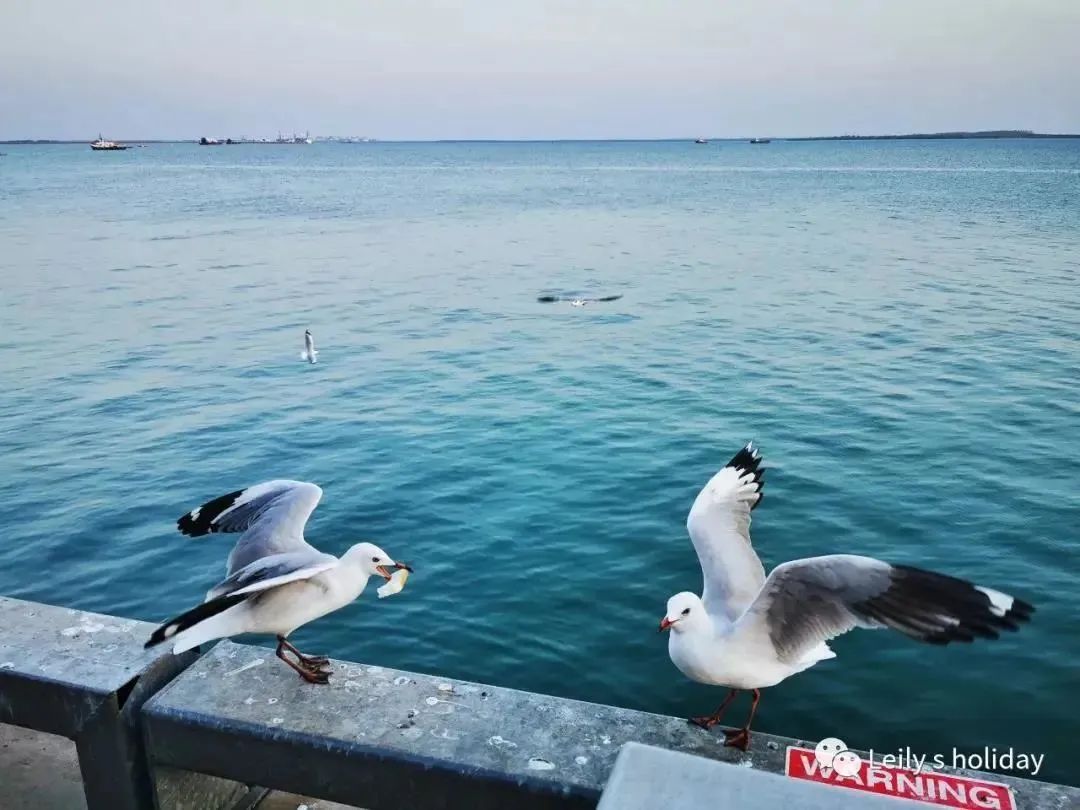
[
  {"x": 737, "y": 738},
  {"x": 707, "y": 721},
  {"x": 319, "y": 676}
]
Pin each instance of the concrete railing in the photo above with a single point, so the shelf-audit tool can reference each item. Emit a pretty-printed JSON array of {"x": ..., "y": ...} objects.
[{"x": 186, "y": 733}]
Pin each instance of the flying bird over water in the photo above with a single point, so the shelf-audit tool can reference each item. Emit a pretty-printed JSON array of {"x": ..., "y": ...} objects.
[
  {"x": 309, "y": 353},
  {"x": 576, "y": 301},
  {"x": 275, "y": 581},
  {"x": 747, "y": 632}
]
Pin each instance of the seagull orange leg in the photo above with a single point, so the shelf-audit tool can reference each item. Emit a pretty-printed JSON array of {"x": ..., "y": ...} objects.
[
  {"x": 310, "y": 675},
  {"x": 710, "y": 720},
  {"x": 740, "y": 738},
  {"x": 306, "y": 661}
]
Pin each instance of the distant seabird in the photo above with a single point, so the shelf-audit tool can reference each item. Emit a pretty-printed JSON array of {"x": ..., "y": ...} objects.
[
  {"x": 309, "y": 353},
  {"x": 575, "y": 300}
]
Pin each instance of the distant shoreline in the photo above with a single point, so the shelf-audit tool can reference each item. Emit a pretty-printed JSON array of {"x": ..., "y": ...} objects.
[
  {"x": 999, "y": 134},
  {"x": 939, "y": 136}
]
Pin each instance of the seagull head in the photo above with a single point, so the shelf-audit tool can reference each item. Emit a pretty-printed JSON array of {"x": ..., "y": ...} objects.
[
  {"x": 373, "y": 560},
  {"x": 684, "y": 610}
]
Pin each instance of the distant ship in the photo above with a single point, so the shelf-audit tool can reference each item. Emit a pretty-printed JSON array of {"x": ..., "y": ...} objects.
[
  {"x": 760, "y": 140},
  {"x": 102, "y": 145},
  {"x": 294, "y": 139},
  {"x": 700, "y": 140},
  {"x": 209, "y": 142}
]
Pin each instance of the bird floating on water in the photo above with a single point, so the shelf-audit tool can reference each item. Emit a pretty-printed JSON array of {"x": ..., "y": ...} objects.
[
  {"x": 576, "y": 301},
  {"x": 275, "y": 581},
  {"x": 747, "y": 632},
  {"x": 309, "y": 353}
]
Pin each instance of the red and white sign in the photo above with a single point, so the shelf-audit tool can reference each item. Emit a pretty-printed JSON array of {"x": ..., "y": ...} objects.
[{"x": 929, "y": 786}]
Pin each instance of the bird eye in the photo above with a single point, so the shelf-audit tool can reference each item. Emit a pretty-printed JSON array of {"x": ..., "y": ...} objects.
[
  {"x": 375, "y": 559},
  {"x": 686, "y": 612}
]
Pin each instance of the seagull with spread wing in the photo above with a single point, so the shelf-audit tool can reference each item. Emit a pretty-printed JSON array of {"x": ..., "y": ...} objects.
[
  {"x": 747, "y": 632},
  {"x": 310, "y": 353},
  {"x": 576, "y": 300},
  {"x": 275, "y": 581}
]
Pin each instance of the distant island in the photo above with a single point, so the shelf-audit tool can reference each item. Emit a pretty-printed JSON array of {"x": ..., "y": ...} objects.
[
  {"x": 53, "y": 141},
  {"x": 939, "y": 136},
  {"x": 915, "y": 136}
]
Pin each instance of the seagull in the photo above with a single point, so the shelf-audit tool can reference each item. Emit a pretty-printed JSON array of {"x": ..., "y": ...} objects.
[
  {"x": 275, "y": 581},
  {"x": 309, "y": 353},
  {"x": 576, "y": 301},
  {"x": 748, "y": 632}
]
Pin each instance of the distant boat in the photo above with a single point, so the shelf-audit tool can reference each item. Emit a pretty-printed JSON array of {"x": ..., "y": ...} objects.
[
  {"x": 760, "y": 140},
  {"x": 294, "y": 139},
  {"x": 102, "y": 145},
  {"x": 700, "y": 140},
  {"x": 209, "y": 142}
]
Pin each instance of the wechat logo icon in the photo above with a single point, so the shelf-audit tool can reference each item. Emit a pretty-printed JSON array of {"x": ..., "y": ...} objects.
[{"x": 833, "y": 753}]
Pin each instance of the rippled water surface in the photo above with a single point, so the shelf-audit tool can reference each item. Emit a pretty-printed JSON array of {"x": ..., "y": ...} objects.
[{"x": 894, "y": 323}]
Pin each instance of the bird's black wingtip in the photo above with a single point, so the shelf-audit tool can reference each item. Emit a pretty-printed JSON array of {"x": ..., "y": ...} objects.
[
  {"x": 1019, "y": 612},
  {"x": 157, "y": 637},
  {"x": 939, "y": 609},
  {"x": 200, "y": 521},
  {"x": 746, "y": 460}
]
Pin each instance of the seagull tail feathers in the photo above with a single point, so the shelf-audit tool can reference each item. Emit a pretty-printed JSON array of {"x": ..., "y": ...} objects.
[{"x": 202, "y": 623}]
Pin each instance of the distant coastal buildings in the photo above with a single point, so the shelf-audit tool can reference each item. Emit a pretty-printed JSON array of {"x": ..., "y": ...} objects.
[
  {"x": 293, "y": 139},
  {"x": 343, "y": 139}
]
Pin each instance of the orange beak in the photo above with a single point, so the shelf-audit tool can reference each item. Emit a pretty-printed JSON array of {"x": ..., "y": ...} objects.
[{"x": 665, "y": 624}]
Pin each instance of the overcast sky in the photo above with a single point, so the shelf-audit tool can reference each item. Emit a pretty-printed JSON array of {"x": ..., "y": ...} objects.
[{"x": 416, "y": 69}]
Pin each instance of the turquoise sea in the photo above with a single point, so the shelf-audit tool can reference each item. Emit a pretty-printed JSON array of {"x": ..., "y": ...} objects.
[{"x": 895, "y": 324}]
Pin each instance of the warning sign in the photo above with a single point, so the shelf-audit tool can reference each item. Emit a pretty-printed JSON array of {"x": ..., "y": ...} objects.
[{"x": 929, "y": 786}]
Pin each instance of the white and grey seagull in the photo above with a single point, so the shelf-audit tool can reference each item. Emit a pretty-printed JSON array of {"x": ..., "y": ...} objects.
[
  {"x": 747, "y": 632},
  {"x": 577, "y": 300},
  {"x": 310, "y": 353},
  {"x": 275, "y": 581}
]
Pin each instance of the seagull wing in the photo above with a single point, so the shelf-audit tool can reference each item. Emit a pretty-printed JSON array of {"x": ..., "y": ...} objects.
[
  {"x": 719, "y": 527},
  {"x": 804, "y": 603},
  {"x": 272, "y": 571},
  {"x": 261, "y": 575},
  {"x": 271, "y": 517}
]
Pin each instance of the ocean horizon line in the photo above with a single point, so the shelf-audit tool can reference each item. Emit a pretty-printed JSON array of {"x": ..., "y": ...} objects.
[{"x": 950, "y": 135}]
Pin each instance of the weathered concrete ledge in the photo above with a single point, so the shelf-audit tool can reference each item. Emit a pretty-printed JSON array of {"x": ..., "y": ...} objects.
[
  {"x": 403, "y": 740},
  {"x": 83, "y": 676},
  {"x": 152, "y": 733}
]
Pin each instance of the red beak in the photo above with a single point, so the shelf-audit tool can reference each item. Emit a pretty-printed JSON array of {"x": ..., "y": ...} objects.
[{"x": 664, "y": 624}]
